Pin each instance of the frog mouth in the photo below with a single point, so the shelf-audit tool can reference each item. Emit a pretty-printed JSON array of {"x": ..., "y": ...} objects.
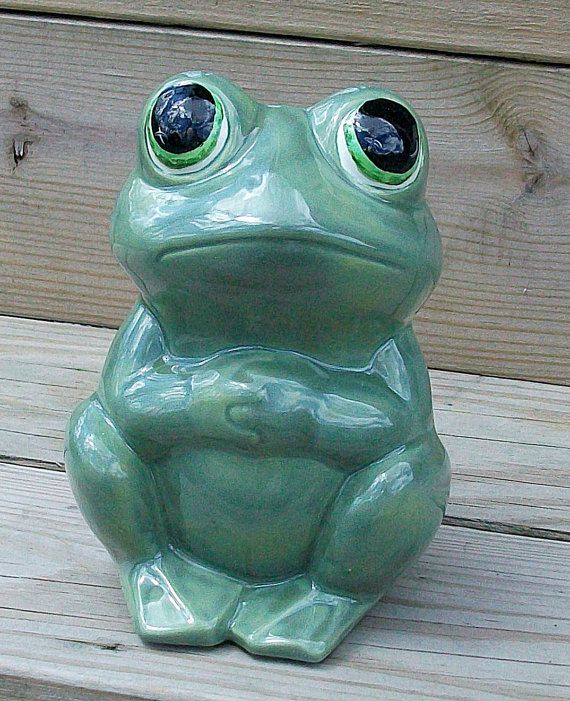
[{"x": 342, "y": 244}]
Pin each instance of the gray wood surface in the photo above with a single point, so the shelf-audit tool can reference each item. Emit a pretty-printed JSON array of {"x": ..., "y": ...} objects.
[
  {"x": 70, "y": 93},
  {"x": 538, "y": 30},
  {"x": 481, "y": 617},
  {"x": 509, "y": 441}
]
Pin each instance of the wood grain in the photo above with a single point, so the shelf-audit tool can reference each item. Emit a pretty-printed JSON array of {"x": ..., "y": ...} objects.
[
  {"x": 509, "y": 440},
  {"x": 538, "y": 30},
  {"x": 70, "y": 93},
  {"x": 481, "y": 617}
]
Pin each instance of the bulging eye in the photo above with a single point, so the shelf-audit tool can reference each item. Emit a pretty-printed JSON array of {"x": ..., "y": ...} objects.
[
  {"x": 382, "y": 139},
  {"x": 186, "y": 127}
]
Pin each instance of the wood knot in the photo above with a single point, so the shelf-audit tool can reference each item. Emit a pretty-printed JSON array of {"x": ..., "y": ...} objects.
[
  {"x": 530, "y": 147},
  {"x": 19, "y": 103}
]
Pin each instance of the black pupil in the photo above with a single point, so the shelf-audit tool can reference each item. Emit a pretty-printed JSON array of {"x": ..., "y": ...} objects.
[
  {"x": 388, "y": 135},
  {"x": 183, "y": 118}
]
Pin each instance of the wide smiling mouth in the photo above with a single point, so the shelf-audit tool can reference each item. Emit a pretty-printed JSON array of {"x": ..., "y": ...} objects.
[{"x": 340, "y": 243}]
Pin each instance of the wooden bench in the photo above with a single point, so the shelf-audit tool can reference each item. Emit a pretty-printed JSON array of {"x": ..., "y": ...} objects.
[{"x": 484, "y": 615}]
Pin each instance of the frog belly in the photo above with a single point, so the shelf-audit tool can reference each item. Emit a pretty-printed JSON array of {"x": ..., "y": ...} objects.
[{"x": 255, "y": 518}]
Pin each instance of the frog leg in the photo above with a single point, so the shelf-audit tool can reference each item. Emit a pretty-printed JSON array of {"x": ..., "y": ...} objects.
[
  {"x": 384, "y": 516},
  {"x": 171, "y": 599}
]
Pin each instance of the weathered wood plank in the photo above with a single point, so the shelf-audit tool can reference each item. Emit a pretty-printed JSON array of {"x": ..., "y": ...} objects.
[
  {"x": 500, "y": 138},
  {"x": 509, "y": 440},
  {"x": 482, "y": 616},
  {"x": 538, "y": 30}
]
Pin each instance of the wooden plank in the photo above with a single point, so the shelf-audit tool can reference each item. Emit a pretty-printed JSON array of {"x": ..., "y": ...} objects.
[
  {"x": 509, "y": 440},
  {"x": 482, "y": 616},
  {"x": 539, "y": 30},
  {"x": 501, "y": 169}
]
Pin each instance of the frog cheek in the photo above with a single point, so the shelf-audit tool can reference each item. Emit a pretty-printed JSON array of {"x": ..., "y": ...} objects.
[
  {"x": 185, "y": 128},
  {"x": 380, "y": 143}
]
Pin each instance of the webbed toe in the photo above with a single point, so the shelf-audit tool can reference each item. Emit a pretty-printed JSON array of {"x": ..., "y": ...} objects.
[
  {"x": 177, "y": 601},
  {"x": 294, "y": 619}
]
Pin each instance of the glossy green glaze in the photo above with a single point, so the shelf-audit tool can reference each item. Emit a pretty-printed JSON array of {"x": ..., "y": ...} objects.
[{"x": 260, "y": 457}]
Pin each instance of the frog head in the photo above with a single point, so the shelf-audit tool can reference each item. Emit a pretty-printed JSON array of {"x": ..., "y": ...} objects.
[{"x": 253, "y": 225}]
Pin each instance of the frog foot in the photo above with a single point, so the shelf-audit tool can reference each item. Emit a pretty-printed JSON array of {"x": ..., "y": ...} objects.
[
  {"x": 177, "y": 601},
  {"x": 295, "y": 619}
]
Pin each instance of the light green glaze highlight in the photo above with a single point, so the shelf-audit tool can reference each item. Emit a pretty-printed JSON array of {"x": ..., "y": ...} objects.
[
  {"x": 367, "y": 166},
  {"x": 260, "y": 457},
  {"x": 189, "y": 158}
]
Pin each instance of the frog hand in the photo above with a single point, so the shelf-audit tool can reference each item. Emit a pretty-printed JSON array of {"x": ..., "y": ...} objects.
[
  {"x": 212, "y": 410},
  {"x": 291, "y": 419},
  {"x": 283, "y": 417}
]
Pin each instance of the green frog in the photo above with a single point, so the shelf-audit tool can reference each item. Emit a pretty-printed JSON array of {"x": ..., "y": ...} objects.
[{"x": 260, "y": 457}]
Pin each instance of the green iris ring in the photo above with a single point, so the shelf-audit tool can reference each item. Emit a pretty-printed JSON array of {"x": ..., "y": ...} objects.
[
  {"x": 367, "y": 166},
  {"x": 189, "y": 158}
]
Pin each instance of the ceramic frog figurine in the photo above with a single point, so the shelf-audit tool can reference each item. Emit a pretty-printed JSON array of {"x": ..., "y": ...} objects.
[{"x": 260, "y": 457}]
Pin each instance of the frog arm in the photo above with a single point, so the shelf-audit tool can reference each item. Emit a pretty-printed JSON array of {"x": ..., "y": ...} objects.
[
  {"x": 395, "y": 380},
  {"x": 378, "y": 409},
  {"x": 155, "y": 401},
  {"x": 138, "y": 387},
  {"x": 138, "y": 344},
  {"x": 353, "y": 433}
]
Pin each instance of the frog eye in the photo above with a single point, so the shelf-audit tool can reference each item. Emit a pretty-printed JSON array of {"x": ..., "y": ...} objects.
[
  {"x": 186, "y": 127},
  {"x": 382, "y": 139}
]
